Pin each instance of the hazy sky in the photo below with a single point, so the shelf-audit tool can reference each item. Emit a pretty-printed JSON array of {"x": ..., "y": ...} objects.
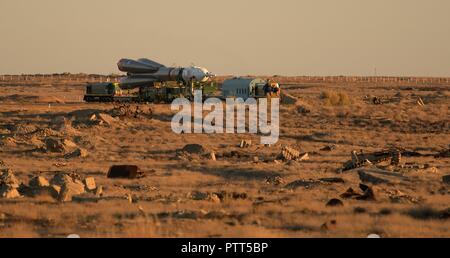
[{"x": 285, "y": 37}]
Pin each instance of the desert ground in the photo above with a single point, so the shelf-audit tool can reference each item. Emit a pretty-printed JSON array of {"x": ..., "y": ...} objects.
[{"x": 247, "y": 191}]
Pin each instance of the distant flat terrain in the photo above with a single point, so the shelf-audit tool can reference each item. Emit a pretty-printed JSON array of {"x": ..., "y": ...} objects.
[{"x": 245, "y": 192}]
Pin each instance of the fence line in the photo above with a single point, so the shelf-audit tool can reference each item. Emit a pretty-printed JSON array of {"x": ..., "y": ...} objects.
[{"x": 347, "y": 79}]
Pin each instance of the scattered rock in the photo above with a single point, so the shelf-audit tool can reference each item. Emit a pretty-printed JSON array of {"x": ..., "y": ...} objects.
[
  {"x": 59, "y": 120},
  {"x": 99, "y": 191},
  {"x": 332, "y": 180},
  {"x": 39, "y": 182},
  {"x": 377, "y": 100},
  {"x": 70, "y": 189},
  {"x": 212, "y": 156},
  {"x": 245, "y": 143},
  {"x": 359, "y": 210},
  {"x": 313, "y": 182},
  {"x": 446, "y": 179},
  {"x": 443, "y": 154},
  {"x": 432, "y": 170},
  {"x": 426, "y": 213},
  {"x": 9, "y": 142},
  {"x": 8, "y": 178},
  {"x": 59, "y": 145},
  {"x": 420, "y": 102},
  {"x": 25, "y": 129},
  {"x": 36, "y": 142},
  {"x": 288, "y": 153},
  {"x": 303, "y": 109},
  {"x": 89, "y": 182},
  {"x": 303, "y": 157},
  {"x": 328, "y": 148},
  {"x": 365, "y": 159},
  {"x": 66, "y": 185},
  {"x": 214, "y": 198},
  {"x": 350, "y": 193},
  {"x": 61, "y": 178},
  {"x": 107, "y": 119},
  {"x": 55, "y": 190},
  {"x": 196, "y": 195},
  {"x": 330, "y": 225},
  {"x": 194, "y": 149},
  {"x": 368, "y": 178},
  {"x": 231, "y": 195},
  {"x": 79, "y": 152},
  {"x": 125, "y": 171},
  {"x": 288, "y": 99},
  {"x": 397, "y": 196},
  {"x": 275, "y": 180},
  {"x": 8, "y": 192},
  {"x": 129, "y": 198},
  {"x": 125, "y": 110},
  {"x": 301, "y": 183},
  {"x": 39, "y": 185},
  {"x": 9, "y": 184},
  {"x": 368, "y": 193},
  {"x": 334, "y": 202}
]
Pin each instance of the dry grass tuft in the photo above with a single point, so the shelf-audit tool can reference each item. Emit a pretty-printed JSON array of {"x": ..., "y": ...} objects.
[{"x": 333, "y": 98}]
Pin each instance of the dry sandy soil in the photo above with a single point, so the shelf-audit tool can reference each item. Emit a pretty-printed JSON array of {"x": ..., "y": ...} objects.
[{"x": 186, "y": 195}]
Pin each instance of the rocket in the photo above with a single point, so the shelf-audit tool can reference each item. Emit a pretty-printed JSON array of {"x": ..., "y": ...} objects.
[{"x": 143, "y": 72}]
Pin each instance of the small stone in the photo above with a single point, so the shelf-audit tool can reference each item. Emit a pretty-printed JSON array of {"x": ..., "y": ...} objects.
[
  {"x": 255, "y": 159},
  {"x": 368, "y": 178},
  {"x": 359, "y": 210},
  {"x": 196, "y": 195},
  {"x": 350, "y": 193},
  {"x": 129, "y": 198},
  {"x": 9, "y": 193},
  {"x": 99, "y": 191},
  {"x": 245, "y": 143},
  {"x": 304, "y": 157},
  {"x": 212, "y": 156},
  {"x": 39, "y": 182},
  {"x": 89, "y": 182},
  {"x": 328, "y": 225},
  {"x": 446, "y": 179},
  {"x": 69, "y": 189},
  {"x": 368, "y": 193},
  {"x": 432, "y": 170},
  {"x": 194, "y": 149},
  {"x": 214, "y": 198},
  {"x": 8, "y": 178},
  {"x": 332, "y": 180},
  {"x": 334, "y": 202},
  {"x": 109, "y": 120},
  {"x": 55, "y": 190},
  {"x": 275, "y": 180},
  {"x": 79, "y": 152},
  {"x": 58, "y": 145},
  {"x": 328, "y": 148}
]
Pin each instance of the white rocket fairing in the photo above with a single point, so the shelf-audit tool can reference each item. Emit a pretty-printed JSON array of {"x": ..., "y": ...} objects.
[{"x": 144, "y": 71}]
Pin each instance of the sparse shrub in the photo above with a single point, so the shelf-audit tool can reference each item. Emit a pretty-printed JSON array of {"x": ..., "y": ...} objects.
[
  {"x": 426, "y": 213},
  {"x": 333, "y": 98}
]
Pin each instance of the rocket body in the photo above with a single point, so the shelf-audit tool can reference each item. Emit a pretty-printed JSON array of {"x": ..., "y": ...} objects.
[{"x": 144, "y": 71}]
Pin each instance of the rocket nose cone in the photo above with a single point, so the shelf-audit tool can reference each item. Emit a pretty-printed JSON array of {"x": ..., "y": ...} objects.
[{"x": 198, "y": 73}]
